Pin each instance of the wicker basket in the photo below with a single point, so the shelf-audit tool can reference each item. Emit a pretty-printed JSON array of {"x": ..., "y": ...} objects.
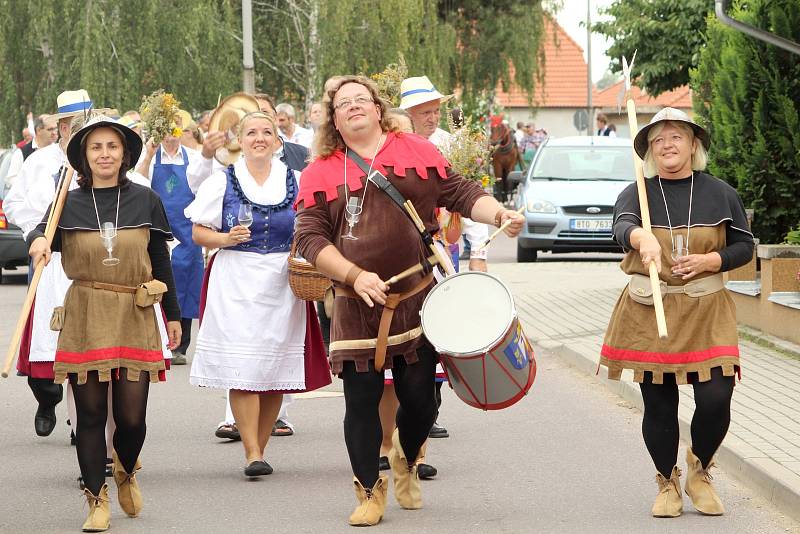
[{"x": 306, "y": 281}]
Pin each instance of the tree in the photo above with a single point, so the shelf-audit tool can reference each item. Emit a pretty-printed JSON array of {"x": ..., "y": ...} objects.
[
  {"x": 667, "y": 36},
  {"x": 748, "y": 96}
]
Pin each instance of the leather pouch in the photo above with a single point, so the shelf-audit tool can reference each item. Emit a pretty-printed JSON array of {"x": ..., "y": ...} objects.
[
  {"x": 57, "y": 319},
  {"x": 641, "y": 291},
  {"x": 149, "y": 293}
]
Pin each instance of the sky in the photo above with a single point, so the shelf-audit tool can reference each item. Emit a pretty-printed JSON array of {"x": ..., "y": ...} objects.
[{"x": 571, "y": 16}]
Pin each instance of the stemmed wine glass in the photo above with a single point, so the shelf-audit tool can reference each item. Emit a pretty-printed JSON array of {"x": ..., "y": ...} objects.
[
  {"x": 352, "y": 216},
  {"x": 108, "y": 233},
  {"x": 679, "y": 250},
  {"x": 245, "y": 214}
]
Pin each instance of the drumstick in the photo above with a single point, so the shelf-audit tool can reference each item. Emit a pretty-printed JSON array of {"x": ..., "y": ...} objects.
[
  {"x": 412, "y": 212},
  {"x": 497, "y": 232},
  {"x": 433, "y": 260},
  {"x": 49, "y": 232}
]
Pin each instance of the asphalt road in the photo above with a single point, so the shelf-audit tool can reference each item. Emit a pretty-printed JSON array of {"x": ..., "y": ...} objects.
[{"x": 568, "y": 458}]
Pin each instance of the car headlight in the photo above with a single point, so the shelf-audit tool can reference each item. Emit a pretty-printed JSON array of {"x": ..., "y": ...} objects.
[{"x": 540, "y": 206}]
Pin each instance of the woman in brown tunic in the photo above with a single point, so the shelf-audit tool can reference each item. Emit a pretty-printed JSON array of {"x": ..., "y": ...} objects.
[
  {"x": 699, "y": 232},
  {"x": 109, "y": 333}
]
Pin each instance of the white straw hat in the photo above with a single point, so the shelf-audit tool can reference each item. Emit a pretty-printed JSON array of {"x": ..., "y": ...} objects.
[
  {"x": 71, "y": 103},
  {"x": 419, "y": 90},
  {"x": 669, "y": 114}
]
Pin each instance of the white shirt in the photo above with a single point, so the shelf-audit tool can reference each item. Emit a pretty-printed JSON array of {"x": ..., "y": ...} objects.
[
  {"x": 302, "y": 136},
  {"x": 33, "y": 190},
  {"x": 518, "y": 136},
  {"x": 474, "y": 232},
  {"x": 166, "y": 159}
]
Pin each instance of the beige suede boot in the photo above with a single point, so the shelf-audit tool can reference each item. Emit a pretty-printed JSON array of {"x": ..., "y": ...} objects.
[
  {"x": 128, "y": 492},
  {"x": 407, "y": 488},
  {"x": 669, "y": 501},
  {"x": 371, "y": 503},
  {"x": 99, "y": 518},
  {"x": 699, "y": 488}
]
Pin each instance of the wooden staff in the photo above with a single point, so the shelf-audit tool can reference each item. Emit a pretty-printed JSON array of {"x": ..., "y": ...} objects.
[
  {"x": 499, "y": 230},
  {"x": 412, "y": 212},
  {"x": 644, "y": 207},
  {"x": 432, "y": 260},
  {"x": 49, "y": 231}
]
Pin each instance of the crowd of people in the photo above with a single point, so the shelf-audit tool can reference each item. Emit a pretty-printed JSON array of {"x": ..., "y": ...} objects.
[{"x": 155, "y": 235}]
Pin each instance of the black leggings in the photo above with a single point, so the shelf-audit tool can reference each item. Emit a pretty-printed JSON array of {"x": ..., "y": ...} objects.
[
  {"x": 129, "y": 401},
  {"x": 414, "y": 386},
  {"x": 712, "y": 417}
]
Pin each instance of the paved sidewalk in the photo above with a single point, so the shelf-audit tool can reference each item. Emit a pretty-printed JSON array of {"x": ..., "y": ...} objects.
[{"x": 763, "y": 445}]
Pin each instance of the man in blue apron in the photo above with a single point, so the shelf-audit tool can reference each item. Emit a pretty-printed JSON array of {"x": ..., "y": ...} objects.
[{"x": 166, "y": 165}]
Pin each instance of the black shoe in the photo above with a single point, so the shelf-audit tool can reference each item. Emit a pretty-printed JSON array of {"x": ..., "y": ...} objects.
[
  {"x": 109, "y": 468},
  {"x": 438, "y": 431},
  {"x": 72, "y": 439},
  {"x": 257, "y": 468},
  {"x": 383, "y": 463},
  {"x": 228, "y": 431},
  {"x": 45, "y": 420},
  {"x": 426, "y": 471}
]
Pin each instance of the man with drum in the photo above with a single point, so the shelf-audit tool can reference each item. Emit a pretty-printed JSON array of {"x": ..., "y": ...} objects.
[{"x": 356, "y": 233}]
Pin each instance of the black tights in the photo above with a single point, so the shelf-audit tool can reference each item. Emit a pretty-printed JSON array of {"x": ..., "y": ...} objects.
[
  {"x": 414, "y": 386},
  {"x": 712, "y": 417},
  {"x": 129, "y": 401}
]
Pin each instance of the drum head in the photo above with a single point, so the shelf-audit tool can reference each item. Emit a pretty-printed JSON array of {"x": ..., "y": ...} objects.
[{"x": 467, "y": 313}]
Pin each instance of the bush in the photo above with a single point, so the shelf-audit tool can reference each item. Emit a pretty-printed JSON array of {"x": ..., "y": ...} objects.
[{"x": 747, "y": 93}]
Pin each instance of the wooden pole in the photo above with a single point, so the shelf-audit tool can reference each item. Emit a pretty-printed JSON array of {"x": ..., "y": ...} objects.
[
  {"x": 644, "y": 207},
  {"x": 50, "y": 230}
]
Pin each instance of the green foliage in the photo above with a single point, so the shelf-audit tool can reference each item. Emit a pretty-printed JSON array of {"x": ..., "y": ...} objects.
[
  {"x": 747, "y": 93},
  {"x": 793, "y": 237},
  {"x": 667, "y": 35},
  {"x": 121, "y": 51}
]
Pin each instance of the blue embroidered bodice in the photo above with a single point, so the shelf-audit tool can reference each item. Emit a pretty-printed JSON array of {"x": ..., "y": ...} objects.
[{"x": 273, "y": 225}]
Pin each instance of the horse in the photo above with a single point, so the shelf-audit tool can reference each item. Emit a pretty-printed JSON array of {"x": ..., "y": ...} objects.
[{"x": 505, "y": 156}]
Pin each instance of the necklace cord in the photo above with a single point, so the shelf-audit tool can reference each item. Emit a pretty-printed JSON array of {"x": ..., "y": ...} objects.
[{"x": 688, "y": 219}]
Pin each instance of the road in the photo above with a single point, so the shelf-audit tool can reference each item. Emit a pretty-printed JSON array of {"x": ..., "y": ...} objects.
[{"x": 569, "y": 458}]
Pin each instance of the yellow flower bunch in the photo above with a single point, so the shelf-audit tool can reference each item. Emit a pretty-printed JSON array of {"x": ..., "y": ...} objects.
[
  {"x": 389, "y": 80},
  {"x": 159, "y": 111},
  {"x": 468, "y": 152}
]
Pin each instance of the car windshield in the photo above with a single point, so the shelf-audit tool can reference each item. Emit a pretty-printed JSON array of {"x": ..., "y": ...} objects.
[{"x": 584, "y": 163}]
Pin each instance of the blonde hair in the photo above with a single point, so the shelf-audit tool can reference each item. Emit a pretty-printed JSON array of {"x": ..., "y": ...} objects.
[
  {"x": 699, "y": 156},
  {"x": 255, "y": 115},
  {"x": 328, "y": 140}
]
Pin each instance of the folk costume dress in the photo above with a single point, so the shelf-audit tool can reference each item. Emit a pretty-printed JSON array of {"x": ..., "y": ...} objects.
[
  {"x": 388, "y": 242},
  {"x": 103, "y": 329},
  {"x": 255, "y": 335},
  {"x": 702, "y": 329}
]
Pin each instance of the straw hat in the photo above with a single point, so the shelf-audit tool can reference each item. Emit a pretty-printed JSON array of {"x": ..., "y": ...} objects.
[
  {"x": 186, "y": 121},
  {"x": 132, "y": 140},
  {"x": 71, "y": 103},
  {"x": 419, "y": 90},
  {"x": 640, "y": 143},
  {"x": 226, "y": 119}
]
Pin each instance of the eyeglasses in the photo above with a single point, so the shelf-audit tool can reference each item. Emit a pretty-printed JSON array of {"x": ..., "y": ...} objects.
[{"x": 360, "y": 100}]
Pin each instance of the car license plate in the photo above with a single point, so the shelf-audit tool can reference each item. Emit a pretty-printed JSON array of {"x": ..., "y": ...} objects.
[{"x": 590, "y": 225}]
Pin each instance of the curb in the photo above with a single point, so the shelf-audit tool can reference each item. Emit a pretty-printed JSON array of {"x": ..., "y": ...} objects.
[{"x": 768, "y": 478}]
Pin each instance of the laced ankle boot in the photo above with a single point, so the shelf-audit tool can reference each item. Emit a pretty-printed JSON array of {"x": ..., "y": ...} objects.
[
  {"x": 407, "y": 488},
  {"x": 371, "y": 503},
  {"x": 99, "y": 518},
  {"x": 669, "y": 501},
  {"x": 699, "y": 488},
  {"x": 128, "y": 492}
]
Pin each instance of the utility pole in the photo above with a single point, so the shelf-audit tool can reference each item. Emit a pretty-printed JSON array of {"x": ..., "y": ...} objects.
[
  {"x": 248, "y": 65},
  {"x": 589, "y": 126}
]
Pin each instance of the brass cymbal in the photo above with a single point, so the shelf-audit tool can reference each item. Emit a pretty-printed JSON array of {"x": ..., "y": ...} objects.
[{"x": 226, "y": 119}]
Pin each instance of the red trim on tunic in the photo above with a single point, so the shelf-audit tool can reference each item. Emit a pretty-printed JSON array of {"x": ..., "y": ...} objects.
[
  {"x": 399, "y": 152},
  {"x": 109, "y": 353},
  {"x": 672, "y": 358}
]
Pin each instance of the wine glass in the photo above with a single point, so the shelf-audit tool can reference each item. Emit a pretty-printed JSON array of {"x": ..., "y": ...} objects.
[
  {"x": 108, "y": 233},
  {"x": 679, "y": 250},
  {"x": 245, "y": 214},
  {"x": 353, "y": 214}
]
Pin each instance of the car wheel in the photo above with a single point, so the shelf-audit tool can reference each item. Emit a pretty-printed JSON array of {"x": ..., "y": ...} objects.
[{"x": 526, "y": 255}]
